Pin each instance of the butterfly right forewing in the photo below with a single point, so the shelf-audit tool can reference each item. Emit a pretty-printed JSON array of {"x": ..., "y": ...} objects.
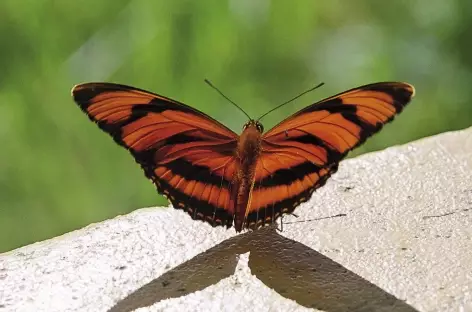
[
  {"x": 301, "y": 153},
  {"x": 188, "y": 155}
]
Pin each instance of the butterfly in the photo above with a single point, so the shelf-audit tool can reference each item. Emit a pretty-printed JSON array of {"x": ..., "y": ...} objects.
[{"x": 246, "y": 180}]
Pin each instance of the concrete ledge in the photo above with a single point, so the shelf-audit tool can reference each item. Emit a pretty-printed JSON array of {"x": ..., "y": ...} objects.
[{"x": 405, "y": 244}]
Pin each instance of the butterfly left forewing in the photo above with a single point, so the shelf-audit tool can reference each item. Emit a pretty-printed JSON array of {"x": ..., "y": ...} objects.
[
  {"x": 188, "y": 155},
  {"x": 300, "y": 154}
]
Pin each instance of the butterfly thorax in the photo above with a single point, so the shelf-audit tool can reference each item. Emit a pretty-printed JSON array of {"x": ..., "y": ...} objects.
[
  {"x": 249, "y": 146},
  {"x": 247, "y": 153}
]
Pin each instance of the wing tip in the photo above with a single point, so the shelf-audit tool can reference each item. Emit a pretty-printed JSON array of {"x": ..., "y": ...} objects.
[
  {"x": 75, "y": 89},
  {"x": 84, "y": 93},
  {"x": 407, "y": 87},
  {"x": 411, "y": 89},
  {"x": 402, "y": 91}
]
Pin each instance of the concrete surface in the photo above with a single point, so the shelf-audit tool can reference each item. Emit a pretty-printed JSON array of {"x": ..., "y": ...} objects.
[{"x": 405, "y": 244}]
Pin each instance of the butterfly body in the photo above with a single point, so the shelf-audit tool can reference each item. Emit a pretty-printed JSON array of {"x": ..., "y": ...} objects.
[
  {"x": 247, "y": 155},
  {"x": 246, "y": 180}
]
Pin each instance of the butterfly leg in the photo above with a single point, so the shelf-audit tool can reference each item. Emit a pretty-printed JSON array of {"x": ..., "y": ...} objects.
[
  {"x": 282, "y": 221},
  {"x": 281, "y": 224}
]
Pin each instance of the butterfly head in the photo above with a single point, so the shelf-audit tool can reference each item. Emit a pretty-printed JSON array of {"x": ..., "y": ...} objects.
[{"x": 254, "y": 123}]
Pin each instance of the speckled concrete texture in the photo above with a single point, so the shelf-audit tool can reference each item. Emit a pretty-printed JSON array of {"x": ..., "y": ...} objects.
[{"x": 404, "y": 244}]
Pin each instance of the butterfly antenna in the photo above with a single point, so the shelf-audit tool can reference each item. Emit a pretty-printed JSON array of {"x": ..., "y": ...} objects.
[
  {"x": 301, "y": 94},
  {"x": 221, "y": 93}
]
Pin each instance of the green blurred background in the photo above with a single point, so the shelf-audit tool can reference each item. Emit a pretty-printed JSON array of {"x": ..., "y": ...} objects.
[{"x": 59, "y": 172}]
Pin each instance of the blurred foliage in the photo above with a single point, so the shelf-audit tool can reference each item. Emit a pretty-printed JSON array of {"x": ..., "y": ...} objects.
[{"x": 59, "y": 172}]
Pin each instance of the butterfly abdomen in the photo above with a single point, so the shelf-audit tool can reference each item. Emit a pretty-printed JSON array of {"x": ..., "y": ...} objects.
[{"x": 248, "y": 152}]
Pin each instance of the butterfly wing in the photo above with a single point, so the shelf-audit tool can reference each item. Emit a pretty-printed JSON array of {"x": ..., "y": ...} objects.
[
  {"x": 300, "y": 153},
  {"x": 188, "y": 155}
]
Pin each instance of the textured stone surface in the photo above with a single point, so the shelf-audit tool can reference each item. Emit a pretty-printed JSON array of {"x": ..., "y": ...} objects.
[{"x": 405, "y": 244}]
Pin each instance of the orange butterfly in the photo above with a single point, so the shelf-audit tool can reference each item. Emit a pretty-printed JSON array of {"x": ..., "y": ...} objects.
[{"x": 251, "y": 179}]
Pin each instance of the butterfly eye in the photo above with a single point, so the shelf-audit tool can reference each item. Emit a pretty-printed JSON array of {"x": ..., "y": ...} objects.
[{"x": 260, "y": 128}]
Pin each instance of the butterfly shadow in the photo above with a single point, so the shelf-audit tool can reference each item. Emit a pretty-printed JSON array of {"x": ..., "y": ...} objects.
[{"x": 292, "y": 269}]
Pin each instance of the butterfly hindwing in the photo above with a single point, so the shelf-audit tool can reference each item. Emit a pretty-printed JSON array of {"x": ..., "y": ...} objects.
[
  {"x": 301, "y": 152},
  {"x": 283, "y": 192},
  {"x": 188, "y": 155}
]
